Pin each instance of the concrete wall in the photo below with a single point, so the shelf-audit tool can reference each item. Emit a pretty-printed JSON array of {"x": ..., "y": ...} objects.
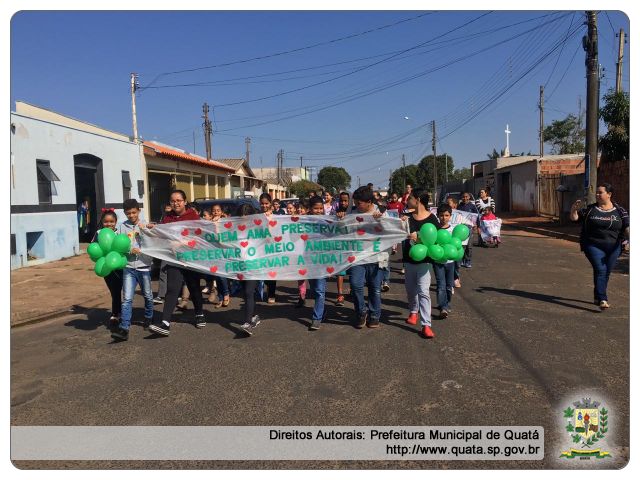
[
  {"x": 35, "y": 139},
  {"x": 523, "y": 188},
  {"x": 617, "y": 174}
]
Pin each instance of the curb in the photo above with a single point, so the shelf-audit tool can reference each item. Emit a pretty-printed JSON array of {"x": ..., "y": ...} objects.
[
  {"x": 55, "y": 314},
  {"x": 543, "y": 231}
]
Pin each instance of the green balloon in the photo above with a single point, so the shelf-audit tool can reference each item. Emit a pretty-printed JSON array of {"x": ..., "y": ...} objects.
[
  {"x": 443, "y": 237},
  {"x": 428, "y": 233},
  {"x": 101, "y": 268},
  {"x": 112, "y": 260},
  {"x": 94, "y": 251},
  {"x": 456, "y": 242},
  {"x": 436, "y": 252},
  {"x": 105, "y": 239},
  {"x": 461, "y": 232},
  {"x": 450, "y": 252},
  {"x": 123, "y": 261},
  {"x": 418, "y": 252},
  {"x": 121, "y": 244},
  {"x": 459, "y": 255}
]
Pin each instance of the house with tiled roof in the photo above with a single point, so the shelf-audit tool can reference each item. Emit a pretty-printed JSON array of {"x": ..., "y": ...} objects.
[{"x": 244, "y": 181}]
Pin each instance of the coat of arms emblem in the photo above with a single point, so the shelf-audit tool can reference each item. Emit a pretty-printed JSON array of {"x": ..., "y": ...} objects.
[{"x": 587, "y": 424}]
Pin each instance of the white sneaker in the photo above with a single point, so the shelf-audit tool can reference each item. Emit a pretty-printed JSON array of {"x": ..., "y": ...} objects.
[
  {"x": 604, "y": 305},
  {"x": 255, "y": 321}
]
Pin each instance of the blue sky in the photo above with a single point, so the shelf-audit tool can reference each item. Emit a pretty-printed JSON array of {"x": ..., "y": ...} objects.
[{"x": 471, "y": 72}]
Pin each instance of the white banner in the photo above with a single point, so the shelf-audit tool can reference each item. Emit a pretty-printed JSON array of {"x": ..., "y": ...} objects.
[
  {"x": 278, "y": 247},
  {"x": 460, "y": 217},
  {"x": 490, "y": 229}
]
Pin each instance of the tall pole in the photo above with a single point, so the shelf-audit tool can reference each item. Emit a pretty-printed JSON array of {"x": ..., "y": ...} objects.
[
  {"x": 590, "y": 44},
  {"x": 541, "y": 106},
  {"x": 206, "y": 125},
  {"x": 446, "y": 168},
  {"x": 435, "y": 167},
  {"x": 619, "y": 64},
  {"x": 404, "y": 175},
  {"x": 134, "y": 87},
  {"x": 247, "y": 142}
]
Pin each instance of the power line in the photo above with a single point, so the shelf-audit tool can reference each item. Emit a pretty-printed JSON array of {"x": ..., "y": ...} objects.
[
  {"x": 565, "y": 72},
  {"x": 559, "y": 54}
]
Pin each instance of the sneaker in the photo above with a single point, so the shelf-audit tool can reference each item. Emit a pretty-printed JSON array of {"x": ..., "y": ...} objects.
[
  {"x": 271, "y": 300},
  {"x": 604, "y": 305},
  {"x": 385, "y": 287},
  {"x": 114, "y": 322},
  {"x": 120, "y": 334},
  {"x": 161, "y": 328},
  {"x": 340, "y": 301},
  {"x": 362, "y": 321},
  {"x": 315, "y": 325},
  {"x": 301, "y": 303},
  {"x": 147, "y": 323},
  {"x": 456, "y": 283},
  {"x": 158, "y": 300},
  {"x": 402, "y": 271},
  {"x": 206, "y": 291},
  {"x": 412, "y": 319},
  {"x": 200, "y": 321},
  {"x": 444, "y": 313},
  {"x": 255, "y": 321},
  {"x": 427, "y": 332},
  {"x": 373, "y": 323}
]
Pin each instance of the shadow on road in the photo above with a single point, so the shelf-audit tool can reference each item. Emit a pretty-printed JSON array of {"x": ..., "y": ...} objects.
[{"x": 541, "y": 297}]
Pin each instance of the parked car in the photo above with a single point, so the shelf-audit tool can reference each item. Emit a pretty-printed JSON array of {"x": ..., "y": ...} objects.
[{"x": 230, "y": 206}]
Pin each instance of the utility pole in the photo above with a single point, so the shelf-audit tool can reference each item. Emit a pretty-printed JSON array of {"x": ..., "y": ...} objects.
[
  {"x": 404, "y": 175},
  {"x": 446, "y": 168},
  {"x": 358, "y": 181},
  {"x": 590, "y": 45},
  {"x": 247, "y": 142},
  {"x": 435, "y": 167},
  {"x": 206, "y": 125},
  {"x": 134, "y": 87},
  {"x": 619, "y": 63},
  {"x": 541, "y": 106}
]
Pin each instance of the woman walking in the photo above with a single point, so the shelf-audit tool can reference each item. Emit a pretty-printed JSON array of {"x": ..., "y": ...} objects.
[{"x": 605, "y": 232}]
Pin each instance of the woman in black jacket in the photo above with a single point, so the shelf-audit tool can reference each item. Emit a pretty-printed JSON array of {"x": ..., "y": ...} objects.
[{"x": 605, "y": 232}]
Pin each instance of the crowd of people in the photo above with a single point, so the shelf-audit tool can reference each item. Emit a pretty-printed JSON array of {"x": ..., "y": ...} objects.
[{"x": 180, "y": 286}]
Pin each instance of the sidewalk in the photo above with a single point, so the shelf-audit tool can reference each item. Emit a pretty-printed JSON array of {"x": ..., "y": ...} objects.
[
  {"x": 543, "y": 226},
  {"x": 54, "y": 289}
]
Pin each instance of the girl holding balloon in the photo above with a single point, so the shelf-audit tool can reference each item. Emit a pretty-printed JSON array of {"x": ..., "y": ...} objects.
[
  {"x": 444, "y": 268},
  {"x": 114, "y": 278},
  {"x": 423, "y": 226}
]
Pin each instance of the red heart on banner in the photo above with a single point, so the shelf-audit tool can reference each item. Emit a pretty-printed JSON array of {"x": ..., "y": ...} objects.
[
  {"x": 360, "y": 219},
  {"x": 244, "y": 244},
  {"x": 360, "y": 231},
  {"x": 304, "y": 237},
  {"x": 228, "y": 225},
  {"x": 242, "y": 228},
  {"x": 277, "y": 239},
  {"x": 213, "y": 269},
  {"x": 240, "y": 276},
  {"x": 185, "y": 232},
  {"x": 351, "y": 259},
  {"x": 330, "y": 269},
  {"x": 191, "y": 243},
  {"x": 378, "y": 228},
  {"x": 302, "y": 272},
  {"x": 272, "y": 274},
  {"x": 295, "y": 219},
  {"x": 257, "y": 221},
  {"x": 273, "y": 223},
  {"x": 198, "y": 231}
]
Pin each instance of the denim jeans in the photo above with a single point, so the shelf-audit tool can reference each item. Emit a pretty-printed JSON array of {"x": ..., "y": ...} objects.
[
  {"x": 386, "y": 274},
  {"x": 417, "y": 280},
  {"x": 371, "y": 275},
  {"x": 130, "y": 278},
  {"x": 318, "y": 286},
  {"x": 444, "y": 281},
  {"x": 222, "y": 285},
  {"x": 602, "y": 262}
]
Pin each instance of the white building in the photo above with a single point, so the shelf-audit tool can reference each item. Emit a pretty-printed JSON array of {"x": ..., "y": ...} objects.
[{"x": 58, "y": 162}]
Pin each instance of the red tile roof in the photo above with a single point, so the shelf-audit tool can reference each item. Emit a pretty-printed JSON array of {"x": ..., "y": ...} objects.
[{"x": 163, "y": 151}]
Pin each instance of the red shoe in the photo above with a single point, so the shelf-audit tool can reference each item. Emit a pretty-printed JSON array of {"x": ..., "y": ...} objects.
[
  {"x": 427, "y": 332},
  {"x": 412, "y": 319}
]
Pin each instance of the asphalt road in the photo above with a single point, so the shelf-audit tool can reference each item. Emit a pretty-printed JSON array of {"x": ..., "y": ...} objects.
[{"x": 523, "y": 342}]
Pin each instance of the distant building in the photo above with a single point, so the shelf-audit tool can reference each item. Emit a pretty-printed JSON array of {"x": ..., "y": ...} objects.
[
  {"x": 57, "y": 164},
  {"x": 244, "y": 181}
]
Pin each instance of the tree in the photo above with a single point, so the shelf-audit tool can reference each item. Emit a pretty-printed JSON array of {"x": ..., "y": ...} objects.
[
  {"x": 397, "y": 181},
  {"x": 334, "y": 178},
  {"x": 301, "y": 188},
  {"x": 495, "y": 154},
  {"x": 460, "y": 174},
  {"x": 566, "y": 136},
  {"x": 425, "y": 170},
  {"x": 615, "y": 143}
]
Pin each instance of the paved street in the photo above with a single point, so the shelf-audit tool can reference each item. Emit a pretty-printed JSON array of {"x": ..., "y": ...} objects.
[{"x": 524, "y": 341}]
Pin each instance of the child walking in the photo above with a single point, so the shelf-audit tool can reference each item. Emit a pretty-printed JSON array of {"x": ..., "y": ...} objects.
[
  {"x": 318, "y": 286},
  {"x": 114, "y": 279},
  {"x": 137, "y": 271},
  {"x": 444, "y": 271}
]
